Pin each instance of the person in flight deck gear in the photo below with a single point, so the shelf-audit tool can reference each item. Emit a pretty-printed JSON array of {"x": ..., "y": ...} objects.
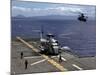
[
  {"x": 60, "y": 58},
  {"x": 26, "y": 64},
  {"x": 21, "y": 55}
]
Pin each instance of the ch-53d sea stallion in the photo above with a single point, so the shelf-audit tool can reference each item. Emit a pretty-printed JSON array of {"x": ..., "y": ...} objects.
[
  {"x": 50, "y": 46},
  {"x": 82, "y": 17}
]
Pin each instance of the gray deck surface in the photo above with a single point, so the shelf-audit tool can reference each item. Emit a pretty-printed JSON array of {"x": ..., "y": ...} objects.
[{"x": 70, "y": 62}]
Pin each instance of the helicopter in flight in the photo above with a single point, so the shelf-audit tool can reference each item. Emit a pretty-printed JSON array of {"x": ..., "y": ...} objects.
[{"x": 82, "y": 17}]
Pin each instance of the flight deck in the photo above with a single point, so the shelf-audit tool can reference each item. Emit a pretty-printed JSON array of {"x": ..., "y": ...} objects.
[{"x": 41, "y": 63}]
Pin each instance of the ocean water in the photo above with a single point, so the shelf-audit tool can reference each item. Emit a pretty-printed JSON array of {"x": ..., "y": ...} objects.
[{"x": 79, "y": 36}]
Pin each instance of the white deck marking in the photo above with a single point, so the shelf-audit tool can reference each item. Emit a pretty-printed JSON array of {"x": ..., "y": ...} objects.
[
  {"x": 77, "y": 67},
  {"x": 32, "y": 57},
  {"x": 38, "y": 62},
  {"x": 16, "y": 43},
  {"x": 64, "y": 59}
]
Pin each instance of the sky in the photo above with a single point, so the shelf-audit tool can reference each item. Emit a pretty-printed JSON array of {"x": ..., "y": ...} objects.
[{"x": 29, "y": 9}]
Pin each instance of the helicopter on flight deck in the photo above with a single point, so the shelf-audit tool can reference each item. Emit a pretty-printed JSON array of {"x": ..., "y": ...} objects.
[{"x": 50, "y": 46}]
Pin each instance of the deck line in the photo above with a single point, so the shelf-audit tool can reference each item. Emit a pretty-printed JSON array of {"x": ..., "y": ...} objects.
[
  {"x": 74, "y": 65},
  {"x": 32, "y": 57},
  {"x": 38, "y": 62}
]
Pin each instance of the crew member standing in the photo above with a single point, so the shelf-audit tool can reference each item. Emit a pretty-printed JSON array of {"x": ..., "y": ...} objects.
[
  {"x": 26, "y": 64},
  {"x": 60, "y": 57},
  {"x": 21, "y": 55}
]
